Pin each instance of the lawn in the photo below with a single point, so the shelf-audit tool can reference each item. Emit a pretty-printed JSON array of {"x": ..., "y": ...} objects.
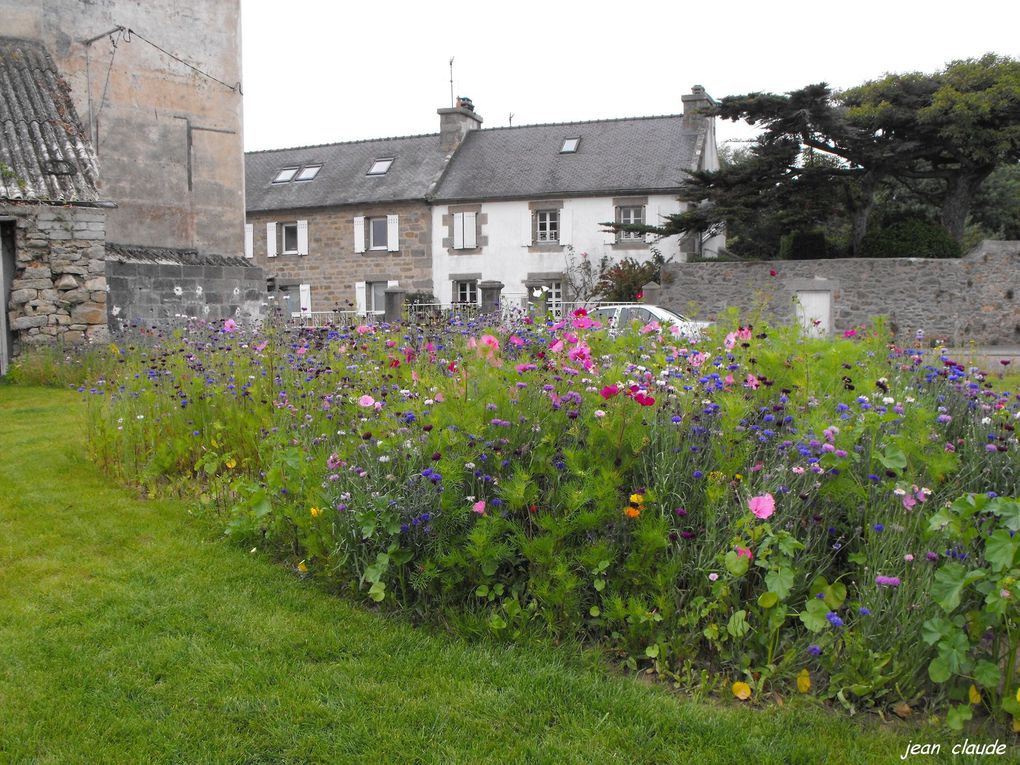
[{"x": 130, "y": 633}]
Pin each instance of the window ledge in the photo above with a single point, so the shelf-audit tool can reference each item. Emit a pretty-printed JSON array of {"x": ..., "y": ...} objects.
[
  {"x": 545, "y": 247},
  {"x": 465, "y": 251},
  {"x": 630, "y": 244}
]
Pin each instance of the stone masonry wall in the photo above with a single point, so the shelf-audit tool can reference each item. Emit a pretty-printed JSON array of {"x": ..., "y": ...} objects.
[
  {"x": 332, "y": 266},
  {"x": 973, "y": 299},
  {"x": 155, "y": 293},
  {"x": 59, "y": 288}
]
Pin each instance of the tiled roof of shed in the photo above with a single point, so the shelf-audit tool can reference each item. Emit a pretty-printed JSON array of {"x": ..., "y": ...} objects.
[
  {"x": 343, "y": 179},
  {"x": 641, "y": 154},
  {"x": 44, "y": 149},
  {"x": 137, "y": 253}
]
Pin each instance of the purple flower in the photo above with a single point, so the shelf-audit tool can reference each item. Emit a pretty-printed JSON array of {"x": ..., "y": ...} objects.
[
  {"x": 878, "y": 527},
  {"x": 834, "y": 619},
  {"x": 887, "y": 581},
  {"x": 864, "y": 611},
  {"x": 932, "y": 555},
  {"x": 814, "y": 650}
]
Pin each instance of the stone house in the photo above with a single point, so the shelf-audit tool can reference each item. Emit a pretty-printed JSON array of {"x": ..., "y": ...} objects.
[
  {"x": 52, "y": 219},
  {"x": 522, "y": 205},
  {"x": 334, "y": 225}
]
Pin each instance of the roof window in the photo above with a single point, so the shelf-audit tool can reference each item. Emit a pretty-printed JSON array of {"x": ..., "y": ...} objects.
[
  {"x": 569, "y": 145},
  {"x": 380, "y": 166},
  {"x": 308, "y": 172},
  {"x": 286, "y": 175}
]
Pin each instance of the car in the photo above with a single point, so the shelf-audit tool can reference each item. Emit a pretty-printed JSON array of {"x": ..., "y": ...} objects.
[{"x": 620, "y": 316}]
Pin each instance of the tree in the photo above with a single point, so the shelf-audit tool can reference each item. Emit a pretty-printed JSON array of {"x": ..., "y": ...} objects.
[{"x": 824, "y": 155}]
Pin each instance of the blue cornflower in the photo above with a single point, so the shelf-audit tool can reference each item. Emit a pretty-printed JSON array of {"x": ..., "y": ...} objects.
[
  {"x": 864, "y": 611},
  {"x": 878, "y": 527},
  {"x": 834, "y": 619},
  {"x": 698, "y": 474},
  {"x": 814, "y": 650}
]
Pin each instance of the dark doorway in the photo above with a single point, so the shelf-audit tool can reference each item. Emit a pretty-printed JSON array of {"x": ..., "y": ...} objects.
[{"x": 6, "y": 280}]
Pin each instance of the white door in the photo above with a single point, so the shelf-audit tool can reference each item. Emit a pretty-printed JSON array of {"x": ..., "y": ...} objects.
[{"x": 814, "y": 312}]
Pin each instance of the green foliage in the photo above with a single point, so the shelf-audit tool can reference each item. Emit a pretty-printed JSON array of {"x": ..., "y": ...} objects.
[
  {"x": 623, "y": 281},
  {"x": 910, "y": 239},
  {"x": 803, "y": 245}
]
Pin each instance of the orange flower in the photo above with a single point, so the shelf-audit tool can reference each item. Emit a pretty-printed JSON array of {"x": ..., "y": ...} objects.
[{"x": 631, "y": 511}]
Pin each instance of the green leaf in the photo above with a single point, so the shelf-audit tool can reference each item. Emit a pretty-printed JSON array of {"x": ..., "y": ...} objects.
[
  {"x": 814, "y": 614},
  {"x": 1008, "y": 510},
  {"x": 958, "y": 715},
  {"x": 595, "y": 611},
  {"x": 736, "y": 564},
  {"x": 652, "y": 651},
  {"x": 738, "y": 626},
  {"x": 835, "y": 594},
  {"x": 600, "y": 584},
  {"x": 482, "y": 590},
  {"x": 1000, "y": 550},
  {"x": 768, "y": 599},
  {"x": 893, "y": 458},
  {"x": 489, "y": 567},
  {"x": 377, "y": 591},
  {"x": 938, "y": 670},
  {"x": 780, "y": 581},
  {"x": 935, "y": 629},
  {"x": 948, "y": 585},
  {"x": 497, "y": 622},
  {"x": 987, "y": 674}
]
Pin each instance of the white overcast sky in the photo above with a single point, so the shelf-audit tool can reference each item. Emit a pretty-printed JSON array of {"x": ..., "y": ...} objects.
[{"x": 319, "y": 71}]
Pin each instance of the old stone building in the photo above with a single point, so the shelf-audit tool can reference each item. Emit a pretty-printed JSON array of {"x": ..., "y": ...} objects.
[
  {"x": 52, "y": 219},
  {"x": 156, "y": 84}
]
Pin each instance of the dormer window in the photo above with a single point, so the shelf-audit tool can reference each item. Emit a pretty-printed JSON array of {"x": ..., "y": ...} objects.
[
  {"x": 569, "y": 145},
  {"x": 286, "y": 175},
  {"x": 308, "y": 172},
  {"x": 380, "y": 166}
]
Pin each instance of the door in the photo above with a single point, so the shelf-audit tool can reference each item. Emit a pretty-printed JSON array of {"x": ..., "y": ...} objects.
[
  {"x": 6, "y": 280},
  {"x": 814, "y": 312}
]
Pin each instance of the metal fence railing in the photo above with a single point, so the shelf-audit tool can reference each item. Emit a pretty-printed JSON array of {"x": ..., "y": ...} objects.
[{"x": 333, "y": 318}]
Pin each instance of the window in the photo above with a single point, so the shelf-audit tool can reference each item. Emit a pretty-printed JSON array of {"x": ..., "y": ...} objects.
[
  {"x": 308, "y": 172},
  {"x": 289, "y": 238},
  {"x": 380, "y": 166},
  {"x": 285, "y": 175},
  {"x": 377, "y": 231},
  {"x": 549, "y": 292},
  {"x": 464, "y": 232},
  {"x": 465, "y": 292},
  {"x": 547, "y": 226},
  {"x": 375, "y": 296},
  {"x": 569, "y": 145},
  {"x": 632, "y": 215}
]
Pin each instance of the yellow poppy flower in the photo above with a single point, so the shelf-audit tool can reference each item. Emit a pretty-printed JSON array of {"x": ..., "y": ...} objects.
[
  {"x": 315, "y": 512},
  {"x": 804, "y": 681},
  {"x": 302, "y": 567},
  {"x": 231, "y": 463},
  {"x": 741, "y": 690},
  {"x": 637, "y": 499}
]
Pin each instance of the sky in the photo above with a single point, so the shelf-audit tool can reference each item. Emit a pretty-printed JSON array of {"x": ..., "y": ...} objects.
[{"x": 323, "y": 72}]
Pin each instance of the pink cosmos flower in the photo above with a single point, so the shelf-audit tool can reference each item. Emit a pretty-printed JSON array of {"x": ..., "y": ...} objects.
[
  {"x": 366, "y": 401},
  {"x": 730, "y": 341},
  {"x": 744, "y": 552},
  {"x": 762, "y": 506},
  {"x": 580, "y": 312},
  {"x": 652, "y": 326},
  {"x": 390, "y": 343},
  {"x": 491, "y": 342},
  {"x": 850, "y": 333},
  {"x": 609, "y": 391},
  {"x": 909, "y": 502},
  {"x": 261, "y": 346},
  {"x": 644, "y": 400},
  {"x": 229, "y": 325},
  {"x": 514, "y": 340},
  {"x": 556, "y": 347},
  {"x": 752, "y": 382},
  {"x": 728, "y": 380},
  {"x": 363, "y": 329},
  {"x": 479, "y": 507},
  {"x": 744, "y": 333}
]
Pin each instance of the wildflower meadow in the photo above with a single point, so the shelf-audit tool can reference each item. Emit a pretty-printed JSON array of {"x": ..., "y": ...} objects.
[{"x": 754, "y": 511}]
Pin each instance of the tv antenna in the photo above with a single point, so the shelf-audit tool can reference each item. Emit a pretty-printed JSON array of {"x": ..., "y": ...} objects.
[{"x": 453, "y": 102}]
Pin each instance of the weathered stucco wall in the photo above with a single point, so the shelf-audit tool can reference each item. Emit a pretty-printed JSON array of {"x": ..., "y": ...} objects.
[
  {"x": 973, "y": 299},
  {"x": 59, "y": 288},
  {"x": 177, "y": 180}
]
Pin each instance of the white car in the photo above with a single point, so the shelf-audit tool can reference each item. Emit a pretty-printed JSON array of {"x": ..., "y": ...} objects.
[{"x": 618, "y": 316}]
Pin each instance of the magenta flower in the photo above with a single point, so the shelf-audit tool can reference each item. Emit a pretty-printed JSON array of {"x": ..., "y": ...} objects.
[
  {"x": 229, "y": 325},
  {"x": 609, "y": 391},
  {"x": 479, "y": 507},
  {"x": 762, "y": 506},
  {"x": 744, "y": 552},
  {"x": 887, "y": 581},
  {"x": 366, "y": 401}
]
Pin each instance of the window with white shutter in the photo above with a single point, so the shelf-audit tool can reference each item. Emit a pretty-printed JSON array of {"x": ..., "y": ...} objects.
[
  {"x": 249, "y": 240},
  {"x": 305, "y": 293},
  {"x": 359, "y": 237},
  {"x": 392, "y": 233},
  {"x": 302, "y": 237},
  {"x": 271, "y": 240}
]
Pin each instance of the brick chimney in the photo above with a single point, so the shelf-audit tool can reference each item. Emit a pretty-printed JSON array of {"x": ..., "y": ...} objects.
[
  {"x": 696, "y": 101},
  {"x": 455, "y": 123}
]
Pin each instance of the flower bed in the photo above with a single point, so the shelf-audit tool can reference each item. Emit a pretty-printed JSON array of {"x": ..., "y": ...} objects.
[{"x": 803, "y": 515}]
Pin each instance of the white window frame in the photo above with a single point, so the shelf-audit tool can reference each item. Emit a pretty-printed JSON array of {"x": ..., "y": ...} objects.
[
  {"x": 284, "y": 227},
  {"x": 547, "y": 226},
  {"x": 373, "y": 244},
  {"x": 625, "y": 214},
  {"x": 465, "y": 292},
  {"x": 380, "y": 166},
  {"x": 308, "y": 173},
  {"x": 285, "y": 174},
  {"x": 570, "y": 145}
]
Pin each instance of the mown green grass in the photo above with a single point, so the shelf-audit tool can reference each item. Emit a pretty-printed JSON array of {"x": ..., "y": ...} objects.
[{"x": 130, "y": 633}]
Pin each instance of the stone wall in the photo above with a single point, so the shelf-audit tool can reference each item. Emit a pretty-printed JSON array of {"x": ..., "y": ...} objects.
[
  {"x": 155, "y": 287},
  {"x": 332, "y": 266},
  {"x": 972, "y": 299},
  {"x": 59, "y": 287}
]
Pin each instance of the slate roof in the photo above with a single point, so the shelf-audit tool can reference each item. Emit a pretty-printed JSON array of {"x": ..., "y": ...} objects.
[
  {"x": 43, "y": 144},
  {"x": 136, "y": 253},
  {"x": 636, "y": 155},
  {"x": 343, "y": 179}
]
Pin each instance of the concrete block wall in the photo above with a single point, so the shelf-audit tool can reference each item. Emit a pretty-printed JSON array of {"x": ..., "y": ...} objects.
[
  {"x": 974, "y": 299},
  {"x": 59, "y": 287},
  {"x": 156, "y": 293},
  {"x": 332, "y": 267}
]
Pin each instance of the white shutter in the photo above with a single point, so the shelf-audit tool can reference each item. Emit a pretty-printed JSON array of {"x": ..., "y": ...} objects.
[
  {"x": 302, "y": 237},
  {"x": 458, "y": 231},
  {"x": 392, "y": 233},
  {"x": 271, "y": 240},
  {"x": 359, "y": 296},
  {"x": 651, "y": 219},
  {"x": 305, "y": 293},
  {"x": 393, "y": 283},
  {"x": 526, "y": 231},
  {"x": 566, "y": 227},
  {"x": 359, "y": 244},
  {"x": 470, "y": 241},
  {"x": 249, "y": 240}
]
